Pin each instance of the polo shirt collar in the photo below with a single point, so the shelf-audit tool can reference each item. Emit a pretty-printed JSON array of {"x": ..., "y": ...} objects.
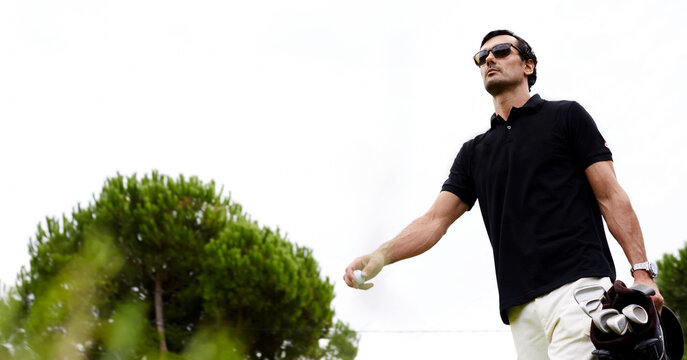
[{"x": 533, "y": 104}]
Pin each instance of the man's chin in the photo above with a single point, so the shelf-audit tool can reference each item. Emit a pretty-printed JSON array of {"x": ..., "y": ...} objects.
[{"x": 497, "y": 87}]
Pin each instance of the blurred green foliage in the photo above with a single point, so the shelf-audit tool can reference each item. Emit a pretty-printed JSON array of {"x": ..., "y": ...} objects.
[
  {"x": 168, "y": 268},
  {"x": 343, "y": 343},
  {"x": 672, "y": 282}
]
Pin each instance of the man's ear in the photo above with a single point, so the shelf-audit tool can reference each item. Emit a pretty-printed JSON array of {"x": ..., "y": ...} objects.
[{"x": 529, "y": 67}]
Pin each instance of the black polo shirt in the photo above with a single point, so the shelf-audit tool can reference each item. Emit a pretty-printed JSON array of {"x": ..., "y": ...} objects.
[{"x": 542, "y": 218}]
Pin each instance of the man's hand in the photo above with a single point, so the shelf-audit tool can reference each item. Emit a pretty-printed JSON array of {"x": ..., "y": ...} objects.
[
  {"x": 641, "y": 277},
  {"x": 370, "y": 265}
]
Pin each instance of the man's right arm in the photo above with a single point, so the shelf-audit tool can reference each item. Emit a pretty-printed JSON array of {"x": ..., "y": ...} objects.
[{"x": 418, "y": 237}]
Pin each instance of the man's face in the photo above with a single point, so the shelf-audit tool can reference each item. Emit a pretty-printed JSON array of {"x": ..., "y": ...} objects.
[{"x": 500, "y": 75}]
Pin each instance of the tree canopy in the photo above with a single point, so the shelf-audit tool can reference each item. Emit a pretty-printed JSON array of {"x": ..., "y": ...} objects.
[{"x": 162, "y": 266}]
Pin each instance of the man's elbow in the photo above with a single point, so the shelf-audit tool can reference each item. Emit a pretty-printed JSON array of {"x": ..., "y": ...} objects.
[{"x": 439, "y": 222}]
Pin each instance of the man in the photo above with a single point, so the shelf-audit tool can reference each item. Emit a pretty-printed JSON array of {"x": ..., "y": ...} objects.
[{"x": 544, "y": 178}]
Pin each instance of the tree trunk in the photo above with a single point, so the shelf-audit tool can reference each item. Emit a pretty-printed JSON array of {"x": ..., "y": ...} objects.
[
  {"x": 159, "y": 315},
  {"x": 239, "y": 320}
]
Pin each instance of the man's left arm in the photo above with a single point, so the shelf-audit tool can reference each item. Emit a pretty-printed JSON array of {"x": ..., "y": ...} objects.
[{"x": 621, "y": 219}]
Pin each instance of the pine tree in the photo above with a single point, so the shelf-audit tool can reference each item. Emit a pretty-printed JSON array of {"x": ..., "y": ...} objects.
[{"x": 154, "y": 261}]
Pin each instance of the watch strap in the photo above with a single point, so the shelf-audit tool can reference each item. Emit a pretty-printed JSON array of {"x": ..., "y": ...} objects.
[{"x": 646, "y": 266}]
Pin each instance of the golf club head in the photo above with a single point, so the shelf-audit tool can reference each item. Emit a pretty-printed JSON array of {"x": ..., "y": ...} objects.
[
  {"x": 636, "y": 314},
  {"x": 589, "y": 297},
  {"x": 585, "y": 293},
  {"x": 646, "y": 289},
  {"x": 601, "y": 317},
  {"x": 591, "y": 306},
  {"x": 618, "y": 324}
]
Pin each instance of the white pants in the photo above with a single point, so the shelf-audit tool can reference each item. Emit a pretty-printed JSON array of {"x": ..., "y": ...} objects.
[{"x": 553, "y": 326}]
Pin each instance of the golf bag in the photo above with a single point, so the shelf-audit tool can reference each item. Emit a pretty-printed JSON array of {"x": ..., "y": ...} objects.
[{"x": 660, "y": 338}]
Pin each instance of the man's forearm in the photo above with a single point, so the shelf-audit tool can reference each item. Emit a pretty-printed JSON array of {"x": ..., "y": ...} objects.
[
  {"x": 624, "y": 226},
  {"x": 416, "y": 238},
  {"x": 621, "y": 219}
]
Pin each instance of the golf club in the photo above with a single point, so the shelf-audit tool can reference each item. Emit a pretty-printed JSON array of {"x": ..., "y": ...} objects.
[
  {"x": 591, "y": 306},
  {"x": 618, "y": 324},
  {"x": 636, "y": 314},
  {"x": 589, "y": 298},
  {"x": 601, "y": 317}
]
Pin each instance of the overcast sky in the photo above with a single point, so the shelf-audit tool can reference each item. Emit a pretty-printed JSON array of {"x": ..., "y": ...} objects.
[{"x": 336, "y": 121}]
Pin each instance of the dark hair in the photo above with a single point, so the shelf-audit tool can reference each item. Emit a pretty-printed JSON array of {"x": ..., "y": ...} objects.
[{"x": 524, "y": 48}]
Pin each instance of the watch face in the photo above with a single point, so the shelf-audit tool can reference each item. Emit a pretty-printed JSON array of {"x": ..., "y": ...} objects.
[{"x": 653, "y": 268}]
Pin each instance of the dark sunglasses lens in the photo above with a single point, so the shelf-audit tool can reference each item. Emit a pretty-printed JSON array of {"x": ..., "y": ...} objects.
[
  {"x": 481, "y": 57},
  {"x": 501, "y": 50}
]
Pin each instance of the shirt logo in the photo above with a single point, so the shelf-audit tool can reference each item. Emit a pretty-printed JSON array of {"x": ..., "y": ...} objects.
[{"x": 606, "y": 145}]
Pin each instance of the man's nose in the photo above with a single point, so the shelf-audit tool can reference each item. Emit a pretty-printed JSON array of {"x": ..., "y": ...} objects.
[{"x": 490, "y": 58}]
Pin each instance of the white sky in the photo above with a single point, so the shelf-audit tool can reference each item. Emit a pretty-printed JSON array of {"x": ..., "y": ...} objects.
[{"x": 336, "y": 121}]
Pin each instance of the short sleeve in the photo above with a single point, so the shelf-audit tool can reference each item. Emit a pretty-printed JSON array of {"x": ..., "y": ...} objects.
[
  {"x": 459, "y": 181},
  {"x": 586, "y": 142}
]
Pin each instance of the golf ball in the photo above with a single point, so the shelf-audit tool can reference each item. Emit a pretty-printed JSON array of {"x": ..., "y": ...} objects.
[{"x": 358, "y": 276}]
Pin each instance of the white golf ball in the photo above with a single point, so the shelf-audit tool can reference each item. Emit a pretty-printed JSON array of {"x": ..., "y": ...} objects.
[{"x": 358, "y": 276}]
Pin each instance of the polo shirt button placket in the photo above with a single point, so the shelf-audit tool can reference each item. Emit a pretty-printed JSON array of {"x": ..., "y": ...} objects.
[{"x": 507, "y": 138}]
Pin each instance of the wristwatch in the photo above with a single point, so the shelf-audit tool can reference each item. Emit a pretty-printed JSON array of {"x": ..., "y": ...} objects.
[{"x": 649, "y": 266}]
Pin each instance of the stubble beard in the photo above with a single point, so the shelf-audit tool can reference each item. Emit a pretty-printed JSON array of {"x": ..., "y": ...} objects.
[{"x": 497, "y": 87}]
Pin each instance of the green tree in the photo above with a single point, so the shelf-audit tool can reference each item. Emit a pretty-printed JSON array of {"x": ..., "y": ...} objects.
[
  {"x": 180, "y": 257},
  {"x": 672, "y": 281},
  {"x": 269, "y": 290},
  {"x": 343, "y": 344},
  {"x": 59, "y": 320},
  {"x": 160, "y": 226}
]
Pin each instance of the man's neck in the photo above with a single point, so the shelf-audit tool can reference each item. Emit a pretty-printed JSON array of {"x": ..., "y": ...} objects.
[{"x": 503, "y": 103}]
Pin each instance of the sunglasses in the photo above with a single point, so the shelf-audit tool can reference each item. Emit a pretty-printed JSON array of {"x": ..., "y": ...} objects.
[{"x": 499, "y": 51}]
